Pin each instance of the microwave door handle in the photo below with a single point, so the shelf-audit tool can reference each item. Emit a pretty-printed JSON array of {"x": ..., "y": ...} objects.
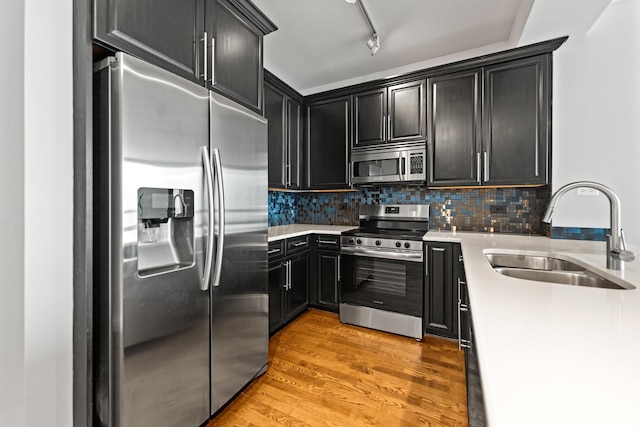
[
  {"x": 206, "y": 276},
  {"x": 401, "y": 167},
  {"x": 221, "y": 219}
]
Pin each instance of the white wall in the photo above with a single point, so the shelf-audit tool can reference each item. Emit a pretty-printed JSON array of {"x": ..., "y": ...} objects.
[
  {"x": 49, "y": 191},
  {"x": 36, "y": 214},
  {"x": 596, "y": 117},
  {"x": 12, "y": 373}
]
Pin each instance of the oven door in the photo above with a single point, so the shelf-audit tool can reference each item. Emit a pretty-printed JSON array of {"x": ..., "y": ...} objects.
[{"x": 382, "y": 283}]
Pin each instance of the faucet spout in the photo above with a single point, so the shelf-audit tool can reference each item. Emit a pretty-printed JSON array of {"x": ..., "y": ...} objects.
[{"x": 616, "y": 250}]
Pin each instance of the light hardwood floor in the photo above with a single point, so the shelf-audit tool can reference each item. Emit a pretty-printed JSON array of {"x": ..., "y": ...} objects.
[{"x": 325, "y": 373}]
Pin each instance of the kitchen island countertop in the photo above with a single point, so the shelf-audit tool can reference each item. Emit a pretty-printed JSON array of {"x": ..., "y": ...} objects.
[{"x": 552, "y": 354}]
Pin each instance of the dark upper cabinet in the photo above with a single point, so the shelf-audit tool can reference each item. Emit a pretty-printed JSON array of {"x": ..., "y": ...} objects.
[
  {"x": 166, "y": 33},
  {"x": 455, "y": 129},
  {"x": 370, "y": 118},
  {"x": 285, "y": 137},
  {"x": 515, "y": 122},
  {"x": 234, "y": 65},
  {"x": 217, "y": 43},
  {"x": 394, "y": 114},
  {"x": 274, "y": 112},
  {"x": 440, "y": 302},
  {"x": 327, "y": 132},
  {"x": 490, "y": 126},
  {"x": 294, "y": 143}
]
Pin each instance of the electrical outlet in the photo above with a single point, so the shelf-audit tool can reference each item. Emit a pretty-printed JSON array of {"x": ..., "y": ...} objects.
[
  {"x": 586, "y": 191},
  {"x": 498, "y": 209}
]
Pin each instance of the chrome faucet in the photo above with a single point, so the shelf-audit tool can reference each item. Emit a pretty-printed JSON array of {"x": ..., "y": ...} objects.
[{"x": 617, "y": 252}]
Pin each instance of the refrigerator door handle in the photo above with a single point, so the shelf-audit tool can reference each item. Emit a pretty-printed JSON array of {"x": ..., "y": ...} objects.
[
  {"x": 221, "y": 209},
  {"x": 206, "y": 277}
]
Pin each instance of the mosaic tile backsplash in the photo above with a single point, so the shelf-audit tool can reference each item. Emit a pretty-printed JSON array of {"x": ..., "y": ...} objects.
[
  {"x": 467, "y": 209},
  {"x": 579, "y": 233}
]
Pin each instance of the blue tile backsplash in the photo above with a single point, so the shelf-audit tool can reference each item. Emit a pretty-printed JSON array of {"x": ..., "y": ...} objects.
[
  {"x": 579, "y": 233},
  {"x": 467, "y": 209},
  {"x": 282, "y": 208}
]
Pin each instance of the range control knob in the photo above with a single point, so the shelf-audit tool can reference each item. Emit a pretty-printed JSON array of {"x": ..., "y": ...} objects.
[
  {"x": 398, "y": 244},
  {"x": 359, "y": 241},
  {"x": 407, "y": 245},
  {"x": 378, "y": 242},
  {"x": 351, "y": 241}
]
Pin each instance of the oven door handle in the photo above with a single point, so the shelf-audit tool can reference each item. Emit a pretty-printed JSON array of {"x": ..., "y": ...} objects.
[{"x": 372, "y": 253}]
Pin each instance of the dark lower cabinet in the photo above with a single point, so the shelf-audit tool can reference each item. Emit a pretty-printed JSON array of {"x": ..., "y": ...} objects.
[
  {"x": 441, "y": 297},
  {"x": 297, "y": 295},
  {"x": 475, "y": 396},
  {"x": 327, "y": 272},
  {"x": 288, "y": 281},
  {"x": 328, "y": 133},
  {"x": 277, "y": 275}
]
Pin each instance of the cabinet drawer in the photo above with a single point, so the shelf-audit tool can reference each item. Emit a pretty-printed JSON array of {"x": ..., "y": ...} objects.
[
  {"x": 276, "y": 249},
  {"x": 328, "y": 241},
  {"x": 297, "y": 244}
]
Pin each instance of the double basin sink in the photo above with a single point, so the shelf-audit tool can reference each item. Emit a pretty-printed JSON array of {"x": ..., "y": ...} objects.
[{"x": 550, "y": 269}]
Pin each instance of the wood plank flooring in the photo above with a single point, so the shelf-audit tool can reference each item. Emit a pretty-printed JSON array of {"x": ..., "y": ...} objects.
[{"x": 325, "y": 373}]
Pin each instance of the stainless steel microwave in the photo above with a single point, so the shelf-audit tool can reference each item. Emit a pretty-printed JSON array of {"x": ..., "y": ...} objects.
[{"x": 390, "y": 165}]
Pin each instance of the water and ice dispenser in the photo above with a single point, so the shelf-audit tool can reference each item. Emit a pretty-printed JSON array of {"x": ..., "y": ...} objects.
[{"x": 165, "y": 230}]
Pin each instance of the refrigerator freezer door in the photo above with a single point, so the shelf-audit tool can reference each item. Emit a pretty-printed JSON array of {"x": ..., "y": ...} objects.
[
  {"x": 239, "y": 304},
  {"x": 153, "y": 317}
]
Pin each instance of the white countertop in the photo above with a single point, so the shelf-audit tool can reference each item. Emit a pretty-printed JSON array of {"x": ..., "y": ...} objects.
[
  {"x": 279, "y": 232},
  {"x": 552, "y": 354}
]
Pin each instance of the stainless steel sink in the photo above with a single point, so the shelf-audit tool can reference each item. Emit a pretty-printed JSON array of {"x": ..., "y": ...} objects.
[
  {"x": 542, "y": 268},
  {"x": 532, "y": 262}
]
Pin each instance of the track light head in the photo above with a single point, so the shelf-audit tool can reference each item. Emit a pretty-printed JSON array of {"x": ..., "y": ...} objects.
[{"x": 374, "y": 43}]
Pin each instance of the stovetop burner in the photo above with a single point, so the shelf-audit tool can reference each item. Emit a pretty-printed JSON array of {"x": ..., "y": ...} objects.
[
  {"x": 386, "y": 233},
  {"x": 395, "y": 227}
]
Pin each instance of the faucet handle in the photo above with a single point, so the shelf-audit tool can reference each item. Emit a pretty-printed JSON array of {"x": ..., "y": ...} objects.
[
  {"x": 622, "y": 242},
  {"x": 622, "y": 254}
]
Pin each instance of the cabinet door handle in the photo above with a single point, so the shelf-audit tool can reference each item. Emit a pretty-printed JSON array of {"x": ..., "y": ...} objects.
[
  {"x": 205, "y": 61},
  {"x": 339, "y": 268},
  {"x": 459, "y": 326},
  {"x": 213, "y": 61},
  {"x": 327, "y": 242},
  {"x": 438, "y": 249},
  {"x": 384, "y": 128},
  {"x": 297, "y": 245},
  {"x": 478, "y": 166},
  {"x": 273, "y": 251},
  {"x": 486, "y": 167},
  {"x": 287, "y": 275}
]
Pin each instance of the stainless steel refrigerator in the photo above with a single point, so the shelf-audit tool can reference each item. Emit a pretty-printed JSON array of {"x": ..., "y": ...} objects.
[{"x": 180, "y": 243}]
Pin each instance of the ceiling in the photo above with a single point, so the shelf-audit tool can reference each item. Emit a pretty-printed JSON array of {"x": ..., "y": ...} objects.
[{"x": 321, "y": 44}]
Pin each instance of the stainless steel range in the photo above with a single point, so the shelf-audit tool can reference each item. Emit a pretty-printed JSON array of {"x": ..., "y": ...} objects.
[{"x": 382, "y": 265}]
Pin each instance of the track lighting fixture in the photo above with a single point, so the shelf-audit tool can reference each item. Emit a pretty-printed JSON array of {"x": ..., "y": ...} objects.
[{"x": 374, "y": 42}]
